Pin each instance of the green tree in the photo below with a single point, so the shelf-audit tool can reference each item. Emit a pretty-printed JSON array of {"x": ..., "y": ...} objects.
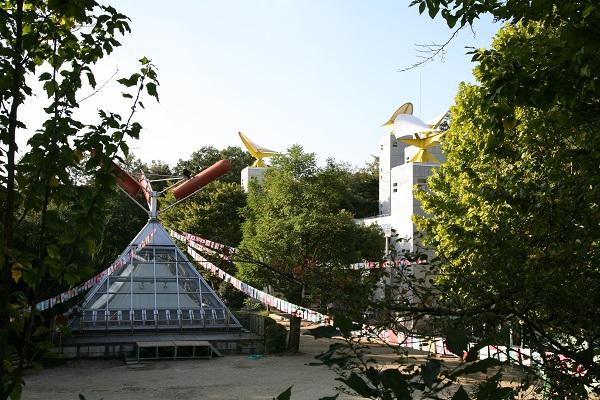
[
  {"x": 356, "y": 190},
  {"x": 157, "y": 170},
  {"x": 550, "y": 63},
  {"x": 55, "y": 43},
  {"x": 299, "y": 238},
  {"x": 522, "y": 236},
  {"x": 512, "y": 214},
  {"x": 122, "y": 221},
  {"x": 212, "y": 213}
]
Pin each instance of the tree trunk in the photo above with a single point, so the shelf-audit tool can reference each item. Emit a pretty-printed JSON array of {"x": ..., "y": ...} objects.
[{"x": 294, "y": 336}]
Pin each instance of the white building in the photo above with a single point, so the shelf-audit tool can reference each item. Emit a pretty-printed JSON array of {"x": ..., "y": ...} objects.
[
  {"x": 398, "y": 179},
  {"x": 250, "y": 173}
]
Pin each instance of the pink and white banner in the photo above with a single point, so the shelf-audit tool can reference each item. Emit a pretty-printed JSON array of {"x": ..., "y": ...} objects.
[
  {"x": 265, "y": 298},
  {"x": 116, "y": 266},
  {"x": 434, "y": 345}
]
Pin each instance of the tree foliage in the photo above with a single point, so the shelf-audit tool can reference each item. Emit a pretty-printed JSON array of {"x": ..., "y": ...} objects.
[
  {"x": 356, "y": 190},
  {"x": 550, "y": 62},
  {"x": 512, "y": 216},
  {"x": 213, "y": 213},
  {"x": 51, "y": 225},
  {"x": 299, "y": 238},
  {"x": 294, "y": 223},
  {"x": 523, "y": 235}
]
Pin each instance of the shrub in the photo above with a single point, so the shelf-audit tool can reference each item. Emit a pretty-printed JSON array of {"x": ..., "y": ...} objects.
[{"x": 275, "y": 336}]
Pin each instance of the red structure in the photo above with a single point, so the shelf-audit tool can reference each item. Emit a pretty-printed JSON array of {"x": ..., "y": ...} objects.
[
  {"x": 126, "y": 182},
  {"x": 202, "y": 179}
]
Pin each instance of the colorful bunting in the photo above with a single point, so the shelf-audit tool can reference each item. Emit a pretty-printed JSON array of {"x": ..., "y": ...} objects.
[
  {"x": 196, "y": 243},
  {"x": 116, "y": 266}
]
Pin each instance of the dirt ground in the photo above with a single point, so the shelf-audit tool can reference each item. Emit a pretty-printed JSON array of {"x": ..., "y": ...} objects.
[{"x": 230, "y": 377}]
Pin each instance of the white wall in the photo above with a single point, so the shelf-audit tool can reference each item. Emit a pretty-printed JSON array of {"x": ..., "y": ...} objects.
[
  {"x": 250, "y": 173},
  {"x": 391, "y": 154}
]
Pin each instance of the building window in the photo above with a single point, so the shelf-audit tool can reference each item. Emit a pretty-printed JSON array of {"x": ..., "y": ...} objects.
[
  {"x": 381, "y": 147},
  {"x": 395, "y": 144},
  {"x": 395, "y": 184},
  {"x": 395, "y": 190}
]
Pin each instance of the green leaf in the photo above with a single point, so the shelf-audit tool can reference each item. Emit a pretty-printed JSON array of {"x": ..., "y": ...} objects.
[
  {"x": 127, "y": 95},
  {"x": 91, "y": 246},
  {"x": 451, "y": 20},
  {"x": 53, "y": 251},
  {"x": 357, "y": 384},
  {"x": 144, "y": 60},
  {"x": 456, "y": 340},
  {"x": 326, "y": 331},
  {"x": 460, "y": 394},
  {"x": 343, "y": 323},
  {"x": 131, "y": 81},
  {"x": 431, "y": 371},
  {"x": 422, "y": 7},
  {"x": 392, "y": 379},
  {"x": 50, "y": 88},
  {"x": 285, "y": 395},
  {"x": 17, "y": 272},
  {"x": 45, "y": 76},
  {"x": 151, "y": 87},
  {"x": 434, "y": 7},
  {"x": 91, "y": 79}
]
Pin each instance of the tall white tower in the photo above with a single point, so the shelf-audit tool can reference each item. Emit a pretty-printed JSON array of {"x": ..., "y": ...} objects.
[
  {"x": 391, "y": 154},
  {"x": 407, "y": 156}
]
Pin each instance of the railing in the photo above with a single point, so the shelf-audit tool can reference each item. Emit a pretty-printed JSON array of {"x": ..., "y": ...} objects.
[{"x": 160, "y": 318}]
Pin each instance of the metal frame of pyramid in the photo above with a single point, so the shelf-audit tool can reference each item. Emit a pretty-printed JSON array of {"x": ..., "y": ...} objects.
[{"x": 159, "y": 289}]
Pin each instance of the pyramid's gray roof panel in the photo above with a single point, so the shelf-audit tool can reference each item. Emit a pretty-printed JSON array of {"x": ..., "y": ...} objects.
[{"x": 159, "y": 287}]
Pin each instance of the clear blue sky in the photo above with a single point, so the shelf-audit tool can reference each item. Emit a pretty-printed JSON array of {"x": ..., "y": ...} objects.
[{"x": 320, "y": 73}]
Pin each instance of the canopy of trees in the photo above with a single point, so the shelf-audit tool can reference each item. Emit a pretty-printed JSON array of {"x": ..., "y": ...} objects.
[
  {"x": 295, "y": 226},
  {"x": 513, "y": 213},
  {"x": 51, "y": 223}
]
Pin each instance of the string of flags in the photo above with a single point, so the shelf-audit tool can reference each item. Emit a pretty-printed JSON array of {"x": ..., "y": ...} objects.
[
  {"x": 435, "y": 345},
  {"x": 402, "y": 262},
  {"x": 265, "y": 298},
  {"x": 224, "y": 251},
  {"x": 115, "y": 267},
  {"x": 227, "y": 250}
]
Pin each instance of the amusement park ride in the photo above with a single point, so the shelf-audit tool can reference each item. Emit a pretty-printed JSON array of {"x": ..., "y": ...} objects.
[
  {"x": 182, "y": 189},
  {"x": 153, "y": 293}
]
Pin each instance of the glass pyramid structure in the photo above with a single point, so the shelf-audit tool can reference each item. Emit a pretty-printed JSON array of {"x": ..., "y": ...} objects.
[{"x": 159, "y": 289}]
